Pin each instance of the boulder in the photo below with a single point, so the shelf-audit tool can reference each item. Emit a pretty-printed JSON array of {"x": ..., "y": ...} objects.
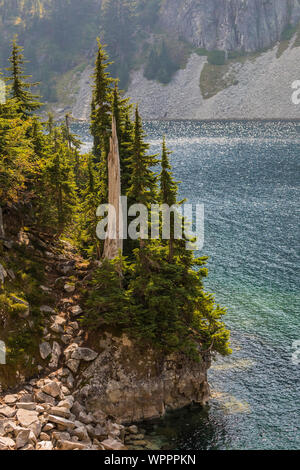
[
  {"x": 69, "y": 445},
  {"x": 47, "y": 309},
  {"x": 69, "y": 288},
  {"x": 42, "y": 397},
  {"x": 26, "y": 406},
  {"x": 22, "y": 438},
  {"x": 11, "y": 399},
  {"x": 27, "y": 417},
  {"x": 44, "y": 445},
  {"x": 6, "y": 443},
  {"x": 52, "y": 388},
  {"x": 76, "y": 310},
  {"x": 84, "y": 354},
  {"x": 3, "y": 274},
  {"x": 112, "y": 444},
  {"x": 61, "y": 436},
  {"x": 60, "y": 411},
  {"x": 7, "y": 411},
  {"x": 36, "y": 428},
  {"x": 81, "y": 433},
  {"x": 70, "y": 350},
  {"x": 63, "y": 422},
  {"x": 73, "y": 365}
]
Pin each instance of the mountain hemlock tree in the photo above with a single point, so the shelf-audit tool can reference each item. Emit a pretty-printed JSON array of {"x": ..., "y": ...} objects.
[
  {"x": 90, "y": 200},
  {"x": 168, "y": 192},
  {"x": 101, "y": 111},
  {"x": 20, "y": 88},
  {"x": 143, "y": 181},
  {"x": 121, "y": 110}
]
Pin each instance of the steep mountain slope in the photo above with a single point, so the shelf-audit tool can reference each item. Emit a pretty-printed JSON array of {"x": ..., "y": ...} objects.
[{"x": 247, "y": 51}]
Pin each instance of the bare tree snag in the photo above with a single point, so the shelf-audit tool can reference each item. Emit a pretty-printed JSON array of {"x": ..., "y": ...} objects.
[
  {"x": 114, "y": 243},
  {"x": 2, "y": 232}
]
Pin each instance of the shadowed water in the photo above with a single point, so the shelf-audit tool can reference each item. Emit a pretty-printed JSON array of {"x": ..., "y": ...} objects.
[{"x": 247, "y": 175}]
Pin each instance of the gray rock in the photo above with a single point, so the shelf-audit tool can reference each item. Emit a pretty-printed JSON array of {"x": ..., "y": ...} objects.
[
  {"x": 3, "y": 274},
  {"x": 112, "y": 444},
  {"x": 81, "y": 433},
  {"x": 45, "y": 350},
  {"x": 44, "y": 445},
  {"x": 26, "y": 406},
  {"x": 11, "y": 399},
  {"x": 7, "y": 411},
  {"x": 84, "y": 354},
  {"x": 69, "y": 445},
  {"x": 64, "y": 423},
  {"x": 26, "y": 417},
  {"x": 76, "y": 310},
  {"x": 22, "y": 438},
  {"x": 6, "y": 443},
  {"x": 42, "y": 397},
  {"x": 47, "y": 309},
  {"x": 69, "y": 288},
  {"x": 52, "y": 389},
  {"x": 60, "y": 411},
  {"x": 73, "y": 365}
]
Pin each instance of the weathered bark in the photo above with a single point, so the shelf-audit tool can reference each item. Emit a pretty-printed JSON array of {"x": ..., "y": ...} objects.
[
  {"x": 2, "y": 232},
  {"x": 114, "y": 243}
]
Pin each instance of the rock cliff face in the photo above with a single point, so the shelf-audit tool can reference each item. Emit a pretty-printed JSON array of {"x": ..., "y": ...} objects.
[
  {"x": 133, "y": 385},
  {"x": 231, "y": 25}
]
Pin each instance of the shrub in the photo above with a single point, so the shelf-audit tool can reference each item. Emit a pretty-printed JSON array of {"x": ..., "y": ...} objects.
[{"x": 216, "y": 58}]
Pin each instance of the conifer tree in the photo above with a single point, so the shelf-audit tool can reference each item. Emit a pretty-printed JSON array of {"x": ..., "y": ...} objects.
[
  {"x": 16, "y": 153},
  {"x": 61, "y": 182},
  {"x": 90, "y": 199},
  {"x": 20, "y": 88},
  {"x": 168, "y": 191},
  {"x": 121, "y": 109},
  {"x": 101, "y": 106},
  {"x": 143, "y": 181},
  {"x": 126, "y": 146}
]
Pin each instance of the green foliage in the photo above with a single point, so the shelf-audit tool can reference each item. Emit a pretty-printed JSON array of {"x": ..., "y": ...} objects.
[
  {"x": 160, "y": 65},
  {"x": 107, "y": 303},
  {"x": 118, "y": 25},
  {"x": 156, "y": 295},
  {"x": 159, "y": 303},
  {"x": 20, "y": 88},
  {"x": 143, "y": 182},
  {"x": 216, "y": 57}
]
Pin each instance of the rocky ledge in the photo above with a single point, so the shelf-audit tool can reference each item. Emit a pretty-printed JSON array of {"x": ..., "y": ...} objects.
[
  {"x": 134, "y": 385},
  {"x": 89, "y": 389}
]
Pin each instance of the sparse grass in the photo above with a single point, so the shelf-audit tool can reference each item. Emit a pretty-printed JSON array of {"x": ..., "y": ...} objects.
[{"x": 215, "y": 78}]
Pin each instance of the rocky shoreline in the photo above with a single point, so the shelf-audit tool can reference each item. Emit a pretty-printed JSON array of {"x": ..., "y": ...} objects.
[{"x": 88, "y": 397}]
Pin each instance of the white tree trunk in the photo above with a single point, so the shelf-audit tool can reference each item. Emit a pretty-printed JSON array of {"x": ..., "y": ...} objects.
[
  {"x": 114, "y": 243},
  {"x": 2, "y": 232}
]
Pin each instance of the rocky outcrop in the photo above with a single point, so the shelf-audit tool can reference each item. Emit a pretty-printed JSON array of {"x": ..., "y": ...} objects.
[
  {"x": 133, "y": 385},
  {"x": 231, "y": 25},
  {"x": 86, "y": 388}
]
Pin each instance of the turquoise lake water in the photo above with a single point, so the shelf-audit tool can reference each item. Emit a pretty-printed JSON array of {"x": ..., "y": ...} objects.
[{"x": 247, "y": 176}]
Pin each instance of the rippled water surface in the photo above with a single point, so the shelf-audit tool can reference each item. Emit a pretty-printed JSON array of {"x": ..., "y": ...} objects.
[{"x": 247, "y": 175}]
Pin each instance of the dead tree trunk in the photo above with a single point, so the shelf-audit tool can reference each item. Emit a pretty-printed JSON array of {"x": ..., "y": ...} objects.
[
  {"x": 2, "y": 232},
  {"x": 114, "y": 243}
]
